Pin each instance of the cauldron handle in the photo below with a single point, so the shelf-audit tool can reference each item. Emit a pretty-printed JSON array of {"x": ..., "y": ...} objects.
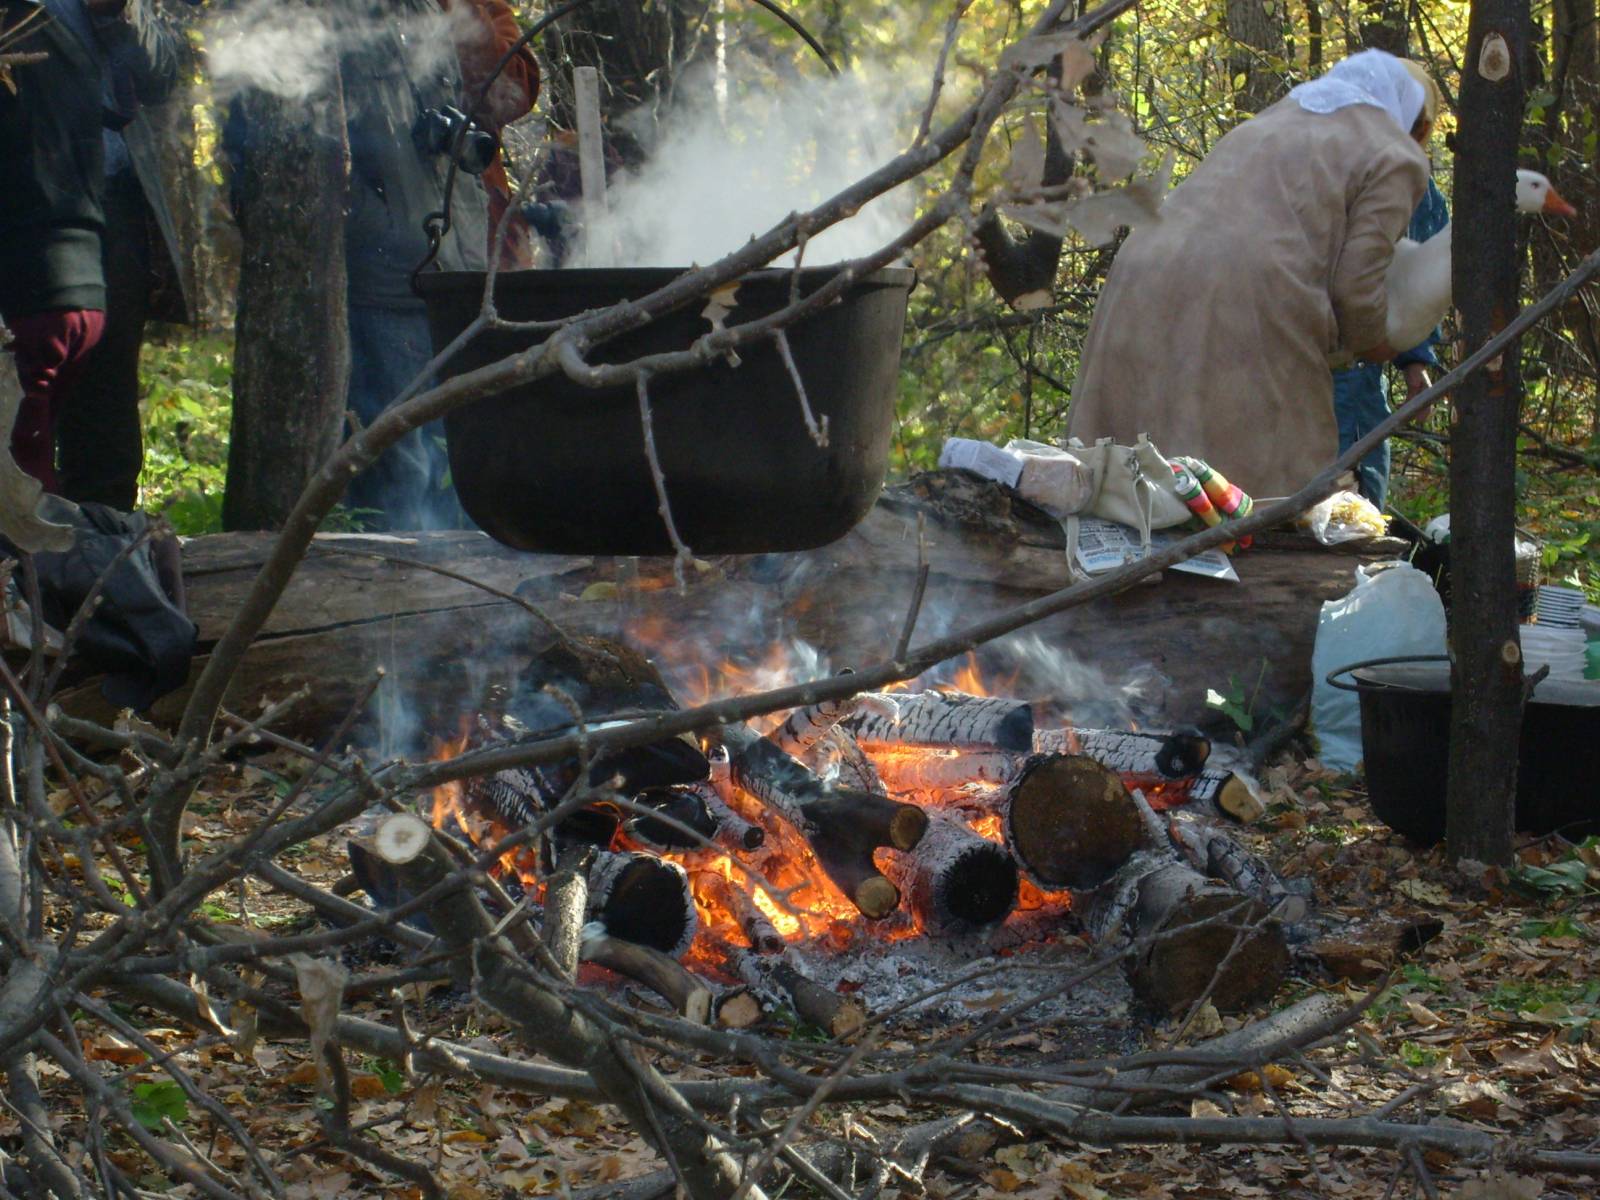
[
  {"x": 437, "y": 224},
  {"x": 1333, "y": 679}
]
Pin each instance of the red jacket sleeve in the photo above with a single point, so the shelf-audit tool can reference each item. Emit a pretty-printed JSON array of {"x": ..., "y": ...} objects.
[{"x": 488, "y": 30}]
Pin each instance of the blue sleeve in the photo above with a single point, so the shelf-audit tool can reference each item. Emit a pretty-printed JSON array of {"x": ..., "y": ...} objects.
[{"x": 1431, "y": 215}]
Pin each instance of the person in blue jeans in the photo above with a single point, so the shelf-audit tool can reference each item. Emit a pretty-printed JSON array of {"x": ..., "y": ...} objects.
[{"x": 1361, "y": 392}]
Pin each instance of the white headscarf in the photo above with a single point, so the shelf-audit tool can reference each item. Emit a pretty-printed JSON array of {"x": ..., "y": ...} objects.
[{"x": 1372, "y": 77}]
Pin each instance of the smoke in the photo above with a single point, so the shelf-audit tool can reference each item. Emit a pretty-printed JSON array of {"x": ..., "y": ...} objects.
[
  {"x": 721, "y": 173},
  {"x": 291, "y": 51}
]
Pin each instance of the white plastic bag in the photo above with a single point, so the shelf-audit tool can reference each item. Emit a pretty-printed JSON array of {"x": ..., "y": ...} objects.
[
  {"x": 1344, "y": 517},
  {"x": 1394, "y": 611}
]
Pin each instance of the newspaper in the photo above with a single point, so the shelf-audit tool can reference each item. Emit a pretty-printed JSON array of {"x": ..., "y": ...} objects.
[
  {"x": 1105, "y": 545},
  {"x": 983, "y": 459}
]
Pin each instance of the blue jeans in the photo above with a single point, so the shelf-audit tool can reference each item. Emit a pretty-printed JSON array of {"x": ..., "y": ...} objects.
[
  {"x": 408, "y": 487},
  {"x": 1360, "y": 402}
]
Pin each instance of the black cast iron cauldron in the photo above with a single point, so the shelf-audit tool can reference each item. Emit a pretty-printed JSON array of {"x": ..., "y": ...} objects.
[
  {"x": 558, "y": 467},
  {"x": 1405, "y": 742}
]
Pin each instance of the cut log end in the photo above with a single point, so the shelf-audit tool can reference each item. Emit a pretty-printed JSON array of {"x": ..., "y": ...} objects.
[
  {"x": 400, "y": 837},
  {"x": 907, "y": 826},
  {"x": 1070, "y": 821},
  {"x": 1195, "y": 946},
  {"x": 876, "y": 897},
  {"x": 979, "y": 888},
  {"x": 738, "y": 1010},
  {"x": 643, "y": 899}
]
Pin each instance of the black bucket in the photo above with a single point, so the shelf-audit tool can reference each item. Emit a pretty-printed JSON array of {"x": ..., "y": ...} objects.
[
  {"x": 554, "y": 466},
  {"x": 1405, "y": 743}
]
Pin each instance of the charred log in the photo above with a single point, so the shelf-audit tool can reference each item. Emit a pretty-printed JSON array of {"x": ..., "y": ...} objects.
[
  {"x": 843, "y": 827},
  {"x": 680, "y": 806},
  {"x": 804, "y": 727},
  {"x": 665, "y": 976},
  {"x": 1070, "y": 822},
  {"x": 1209, "y": 850},
  {"x": 944, "y": 720},
  {"x": 1131, "y": 752},
  {"x": 733, "y": 831},
  {"x": 954, "y": 880},
  {"x": 644, "y": 899},
  {"x": 598, "y": 677},
  {"x": 782, "y": 982}
]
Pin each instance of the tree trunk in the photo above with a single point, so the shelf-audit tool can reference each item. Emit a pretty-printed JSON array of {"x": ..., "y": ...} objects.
[
  {"x": 1488, "y": 690},
  {"x": 291, "y": 348},
  {"x": 1384, "y": 26},
  {"x": 1256, "y": 28}
]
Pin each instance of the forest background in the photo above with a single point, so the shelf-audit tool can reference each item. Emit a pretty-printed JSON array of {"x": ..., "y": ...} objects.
[{"x": 972, "y": 366}]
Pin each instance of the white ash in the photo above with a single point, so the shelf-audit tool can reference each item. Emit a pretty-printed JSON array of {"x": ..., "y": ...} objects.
[{"x": 1030, "y": 954}]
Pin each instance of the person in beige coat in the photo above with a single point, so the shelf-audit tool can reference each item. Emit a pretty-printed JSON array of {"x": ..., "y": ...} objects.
[{"x": 1216, "y": 324}]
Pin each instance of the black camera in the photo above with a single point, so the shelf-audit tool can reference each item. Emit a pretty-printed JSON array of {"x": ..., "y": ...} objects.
[{"x": 435, "y": 133}]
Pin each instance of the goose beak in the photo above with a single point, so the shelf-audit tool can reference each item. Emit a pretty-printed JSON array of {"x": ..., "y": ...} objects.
[{"x": 1556, "y": 206}]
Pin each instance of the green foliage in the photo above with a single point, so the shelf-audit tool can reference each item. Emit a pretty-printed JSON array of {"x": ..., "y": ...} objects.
[
  {"x": 389, "y": 1074},
  {"x": 1567, "y": 878},
  {"x": 154, "y": 1104},
  {"x": 186, "y": 385}
]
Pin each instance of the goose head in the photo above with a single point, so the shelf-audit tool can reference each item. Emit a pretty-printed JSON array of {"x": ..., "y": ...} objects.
[{"x": 1535, "y": 194}]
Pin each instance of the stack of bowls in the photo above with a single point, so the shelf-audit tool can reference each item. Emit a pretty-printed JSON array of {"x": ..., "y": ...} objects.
[{"x": 1558, "y": 607}]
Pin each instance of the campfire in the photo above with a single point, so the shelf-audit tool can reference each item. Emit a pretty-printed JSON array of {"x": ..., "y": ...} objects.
[{"x": 725, "y": 872}]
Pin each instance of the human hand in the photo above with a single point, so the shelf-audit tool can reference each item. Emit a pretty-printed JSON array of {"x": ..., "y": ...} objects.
[
  {"x": 1416, "y": 379},
  {"x": 1382, "y": 352}
]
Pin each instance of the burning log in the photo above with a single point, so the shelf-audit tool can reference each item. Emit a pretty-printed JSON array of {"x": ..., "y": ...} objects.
[
  {"x": 714, "y": 889},
  {"x": 843, "y": 827},
  {"x": 733, "y": 831},
  {"x": 782, "y": 981},
  {"x": 1070, "y": 821},
  {"x": 644, "y": 899},
  {"x": 916, "y": 770},
  {"x": 942, "y": 719},
  {"x": 954, "y": 880},
  {"x": 841, "y": 761},
  {"x": 665, "y": 976},
  {"x": 1130, "y": 752}
]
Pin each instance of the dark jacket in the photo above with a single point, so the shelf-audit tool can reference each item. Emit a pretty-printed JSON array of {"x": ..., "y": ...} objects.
[
  {"x": 50, "y": 142},
  {"x": 143, "y": 70},
  {"x": 394, "y": 185}
]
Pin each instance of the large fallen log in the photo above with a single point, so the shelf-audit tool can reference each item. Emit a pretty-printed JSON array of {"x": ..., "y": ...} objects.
[
  {"x": 346, "y": 612},
  {"x": 842, "y": 827}
]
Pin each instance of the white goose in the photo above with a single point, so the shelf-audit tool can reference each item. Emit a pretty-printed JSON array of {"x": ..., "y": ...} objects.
[{"x": 1419, "y": 276}]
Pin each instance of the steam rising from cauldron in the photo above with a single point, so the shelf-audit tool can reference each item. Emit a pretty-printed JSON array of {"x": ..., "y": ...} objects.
[{"x": 718, "y": 175}]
